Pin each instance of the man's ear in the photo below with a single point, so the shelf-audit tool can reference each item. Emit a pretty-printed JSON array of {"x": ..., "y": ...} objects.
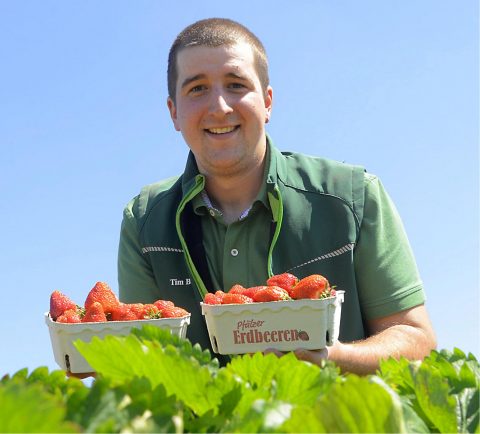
[
  {"x": 173, "y": 113},
  {"x": 268, "y": 103}
]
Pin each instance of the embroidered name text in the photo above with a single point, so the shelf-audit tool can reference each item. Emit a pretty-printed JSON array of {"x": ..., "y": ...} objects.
[{"x": 180, "y": 282}]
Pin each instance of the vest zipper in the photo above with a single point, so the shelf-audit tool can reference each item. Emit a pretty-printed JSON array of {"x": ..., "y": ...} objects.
[{"x": 278, "y": 216}]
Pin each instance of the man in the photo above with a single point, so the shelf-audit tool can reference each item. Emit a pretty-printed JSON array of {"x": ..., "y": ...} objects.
[{"x": 242, "y": 211}]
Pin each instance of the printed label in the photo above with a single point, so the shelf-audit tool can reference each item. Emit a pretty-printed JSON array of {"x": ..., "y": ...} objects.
[{"x": 247, "y": 332}]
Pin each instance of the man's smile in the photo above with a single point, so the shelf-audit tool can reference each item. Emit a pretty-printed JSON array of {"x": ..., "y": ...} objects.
[{"x": 222, "y": 130}]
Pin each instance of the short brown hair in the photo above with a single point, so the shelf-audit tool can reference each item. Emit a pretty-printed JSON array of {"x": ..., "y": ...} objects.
[{"x": 215, "y": 32}]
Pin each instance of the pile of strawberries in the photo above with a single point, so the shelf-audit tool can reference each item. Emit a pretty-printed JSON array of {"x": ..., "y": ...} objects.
[
  {"x": 280, "y": 287},
  {"x": 103, "y": 305}
]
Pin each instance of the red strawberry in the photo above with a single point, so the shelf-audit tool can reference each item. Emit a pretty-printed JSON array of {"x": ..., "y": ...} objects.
[
  {"x": 94, "y": 313},
  {"x": 123, "y": 313},
  {"x": 59, "y": 303},
  {"x": 250, "y": 292},
  {"x": 70, "y": 316},
  {"x": 236, "y": 299},
  {"x": 212, "y": 299},
  {"x": 161, "y": 304},
  {"x": 150, "y": 311},
  {"x": 137, "y": 309},
  {"x": 174, "y": 312},
  {"x": 313, "y": 286},
  {"x": 220, "y": 294},
  {"x": 236, "y": 289},
  {"x": 271, "y": 293},
  {"x": 102, "y": 294},
  {"x": 286, "y": 281}
]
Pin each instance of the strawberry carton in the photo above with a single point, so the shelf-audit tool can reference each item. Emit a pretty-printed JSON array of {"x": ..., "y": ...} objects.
[
  {"x": 63, "y": 335},
  {"x": 306, "y": 314},
  {"x": 102, "y": 315}
]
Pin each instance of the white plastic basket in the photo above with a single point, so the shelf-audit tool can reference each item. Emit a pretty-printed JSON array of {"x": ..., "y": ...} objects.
[
  {"x": 284, "y": 325},
  {"x": 62, "y": 336}
]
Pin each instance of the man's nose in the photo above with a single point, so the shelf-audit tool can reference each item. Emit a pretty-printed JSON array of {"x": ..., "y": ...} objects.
[{"x": 219, "y": 103}]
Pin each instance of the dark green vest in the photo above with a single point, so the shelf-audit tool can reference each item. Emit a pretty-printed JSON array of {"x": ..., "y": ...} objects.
[{"x": 317, "y": 206}]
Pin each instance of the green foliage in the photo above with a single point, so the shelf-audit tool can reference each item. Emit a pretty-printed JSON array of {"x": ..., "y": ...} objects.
[
  {"x": 36, "y": 402},
  {"x": 443, "y": 389},
  {"x": 355, "y": 405},
  {"x": 151, "y": 381}
]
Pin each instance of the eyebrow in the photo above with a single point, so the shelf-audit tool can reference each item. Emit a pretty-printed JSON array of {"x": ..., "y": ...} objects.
[
  {"x": 196, "y": 77},
  {"x": 237, "y": 76},
  {"x": 189, "y": 80}
]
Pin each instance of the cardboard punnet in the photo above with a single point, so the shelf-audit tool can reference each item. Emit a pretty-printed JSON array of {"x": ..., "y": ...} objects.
[
  {"x": 63, "y": 335},
  {"x": 284, "y": 325}
]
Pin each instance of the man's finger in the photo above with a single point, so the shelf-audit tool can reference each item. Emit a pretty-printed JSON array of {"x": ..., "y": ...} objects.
[
  {"x": 273, "y": 351},
  {"x": 313, "y": 356}
]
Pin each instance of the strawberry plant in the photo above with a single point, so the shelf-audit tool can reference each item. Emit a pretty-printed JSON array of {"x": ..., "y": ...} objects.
[{"x": 152, "y": 381}]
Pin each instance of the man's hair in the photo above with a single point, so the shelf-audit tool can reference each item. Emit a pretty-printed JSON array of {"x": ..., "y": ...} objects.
[{"x": 216, "y": 32}]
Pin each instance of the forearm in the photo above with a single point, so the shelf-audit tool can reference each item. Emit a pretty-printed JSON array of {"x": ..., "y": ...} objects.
[{"x": 363, "y": 357}]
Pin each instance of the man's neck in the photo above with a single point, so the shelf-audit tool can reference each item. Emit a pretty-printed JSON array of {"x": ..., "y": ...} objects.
[{"x": 232, "y": 195}]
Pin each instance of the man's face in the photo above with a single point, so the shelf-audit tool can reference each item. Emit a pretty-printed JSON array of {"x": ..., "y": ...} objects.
[{"x": 220, "y": 108}]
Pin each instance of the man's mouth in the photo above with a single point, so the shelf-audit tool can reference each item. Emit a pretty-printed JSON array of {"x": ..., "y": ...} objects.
[{"x": 223, "y": 130}]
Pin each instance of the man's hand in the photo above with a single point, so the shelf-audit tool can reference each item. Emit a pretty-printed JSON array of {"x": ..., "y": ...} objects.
[
  {"x": 313, "y": 356},
  {"x": 408, "y": 334}
]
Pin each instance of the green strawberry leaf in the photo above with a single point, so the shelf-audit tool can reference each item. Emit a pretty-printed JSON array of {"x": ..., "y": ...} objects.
[
  {"x": 29, "y": 408},
  {"x": 163, "y": 337},
  {"x": 354, "y": 405},
  {"x": 432, "y": 392},
  {"x": 264, "y": 416},
  {"x": 443, "y": 389},
  {"x": 287, "y": 378},
  {"x": 181, "y": 374}
]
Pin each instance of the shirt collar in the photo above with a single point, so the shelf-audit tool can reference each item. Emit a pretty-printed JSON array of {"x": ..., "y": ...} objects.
[{"x": 201, "y": 202}]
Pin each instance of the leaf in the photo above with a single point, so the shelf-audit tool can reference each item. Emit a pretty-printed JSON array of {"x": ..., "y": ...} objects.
[
  {"x": 164, "y": 337},
  {"x": 432, "y": 392},
  {"x": 452, "y": 377},
  {"x": 414, "y": 423},
  {"x": 103, "y": 410},
  {"x": 264, "y": 416},
  {"x": 469, "y": 414},
  {"x": 397, "y": 374},
  {"x": 461, "y": 377},
  {"x": 21, "y": 374},
  {"x": 287, "y": 378},
  {"x": 180, "y": 374},
  {"x": 232, "y": 392},
  {"x": 28, "y": 408},
  {"x": 303, "y": 419},
  {"x": 355, "y": 405}
]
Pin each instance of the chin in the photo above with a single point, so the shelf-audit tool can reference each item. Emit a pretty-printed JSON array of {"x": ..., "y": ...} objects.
[{"x": 225, "y": 167}]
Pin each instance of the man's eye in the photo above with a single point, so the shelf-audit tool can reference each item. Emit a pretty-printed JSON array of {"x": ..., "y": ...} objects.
[
  {"x": 198, "y": 88},
  {"x": 236, "y": 85}
]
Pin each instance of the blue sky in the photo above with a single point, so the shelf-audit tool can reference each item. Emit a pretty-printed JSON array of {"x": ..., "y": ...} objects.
[{"x": 392, "y": 86}]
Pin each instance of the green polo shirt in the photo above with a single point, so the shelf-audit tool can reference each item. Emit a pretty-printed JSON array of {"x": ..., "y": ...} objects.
[
  {"x": 238, "y": 252},
  {"x": 330, "y": 218}
]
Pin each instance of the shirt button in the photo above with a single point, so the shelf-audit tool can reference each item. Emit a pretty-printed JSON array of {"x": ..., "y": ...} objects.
[
  {"x": 212, "y": 212},
  {"x": 234, "y": 252}
]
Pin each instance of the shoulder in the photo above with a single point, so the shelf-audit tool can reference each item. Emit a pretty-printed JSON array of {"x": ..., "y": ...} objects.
[
  {"x": 303, "y": 169},
  {"x": 323, "y": 176},
  {"x": 327, "y": 174},
  {"x": 151, "y": 195}
]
